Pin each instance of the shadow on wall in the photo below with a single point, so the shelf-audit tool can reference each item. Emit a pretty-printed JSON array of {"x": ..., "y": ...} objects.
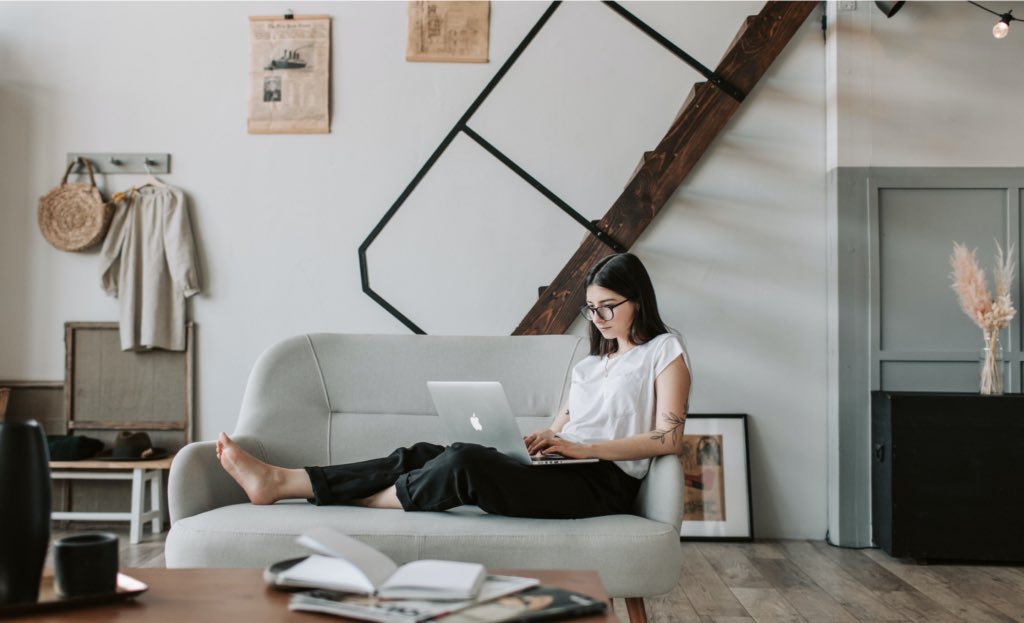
[
  {"x": 18, "y": 122},
  {"x": 206, "y": 288}
]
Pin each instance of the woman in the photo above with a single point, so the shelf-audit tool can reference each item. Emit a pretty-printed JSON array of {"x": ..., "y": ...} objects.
[{"x": 627, "y": 403}]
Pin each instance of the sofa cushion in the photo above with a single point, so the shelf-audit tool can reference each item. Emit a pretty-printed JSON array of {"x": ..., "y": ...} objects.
[{"x": 627, "y": 550}]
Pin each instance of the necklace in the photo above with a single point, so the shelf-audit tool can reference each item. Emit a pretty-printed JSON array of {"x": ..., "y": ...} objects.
[
  {"x": 608, "y": 359},
  {"x": 607, "y": 363}
]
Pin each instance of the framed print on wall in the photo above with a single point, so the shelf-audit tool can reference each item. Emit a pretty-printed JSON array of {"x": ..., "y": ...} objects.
[
  {"x": 448, "y": 31},
  {"x": 289, "y": 80},
  {"x": 716, "y": 472}
]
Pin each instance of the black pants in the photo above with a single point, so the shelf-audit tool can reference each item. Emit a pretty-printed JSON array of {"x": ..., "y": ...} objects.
[{"x": 428, "y": 477}]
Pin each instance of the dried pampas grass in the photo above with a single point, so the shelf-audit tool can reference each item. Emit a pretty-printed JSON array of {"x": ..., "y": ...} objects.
[{"x": 988, "y": 312}]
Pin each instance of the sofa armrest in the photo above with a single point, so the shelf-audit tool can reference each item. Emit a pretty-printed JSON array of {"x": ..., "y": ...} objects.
[
  {"x": 197, "y": 482},
  {"x": 661, "y": 494}
]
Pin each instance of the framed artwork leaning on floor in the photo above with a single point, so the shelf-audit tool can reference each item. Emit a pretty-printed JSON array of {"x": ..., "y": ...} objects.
[{"x": 716, "y": 472}]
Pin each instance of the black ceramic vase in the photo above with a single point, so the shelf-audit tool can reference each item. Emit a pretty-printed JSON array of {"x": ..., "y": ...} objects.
[{"x": 24, "y": 510}]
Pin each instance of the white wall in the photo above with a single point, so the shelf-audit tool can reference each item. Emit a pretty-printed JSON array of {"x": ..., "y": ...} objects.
[
  {"x": 929, "y": 87},
  {"x": 737, "y": 256}
]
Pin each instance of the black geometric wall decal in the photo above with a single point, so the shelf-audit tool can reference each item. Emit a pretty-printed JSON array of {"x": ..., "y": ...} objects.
[{"x": 462, "y": 126}]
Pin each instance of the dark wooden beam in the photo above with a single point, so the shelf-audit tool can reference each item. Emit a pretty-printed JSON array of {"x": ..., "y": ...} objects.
[{"x": 702, "y": 118}]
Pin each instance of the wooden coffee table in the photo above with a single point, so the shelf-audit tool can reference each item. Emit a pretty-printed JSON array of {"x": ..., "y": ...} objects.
[{"x": 224, "y": 595}]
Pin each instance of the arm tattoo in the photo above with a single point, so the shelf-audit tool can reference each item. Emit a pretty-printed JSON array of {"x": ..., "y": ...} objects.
[{"x": 674, "y": 431}]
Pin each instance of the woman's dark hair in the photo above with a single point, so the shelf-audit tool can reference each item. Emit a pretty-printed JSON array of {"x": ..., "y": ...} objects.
[{"x": 625, "y": 274}]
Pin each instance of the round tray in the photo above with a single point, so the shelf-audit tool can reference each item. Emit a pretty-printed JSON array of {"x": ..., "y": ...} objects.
[{"x": 127, "y": 588}]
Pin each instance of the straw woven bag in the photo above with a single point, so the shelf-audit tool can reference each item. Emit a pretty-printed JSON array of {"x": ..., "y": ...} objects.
[{"x": 74, "y": 217}]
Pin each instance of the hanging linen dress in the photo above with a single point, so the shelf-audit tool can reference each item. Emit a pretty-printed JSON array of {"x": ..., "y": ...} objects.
[{"x": 149, "y": 263}]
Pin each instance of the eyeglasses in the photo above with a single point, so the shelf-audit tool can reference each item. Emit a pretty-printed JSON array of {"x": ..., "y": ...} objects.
[{"x": 604, "y": 312}]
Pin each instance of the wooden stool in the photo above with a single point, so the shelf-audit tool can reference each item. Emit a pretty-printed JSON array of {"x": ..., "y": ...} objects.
[{"x": 140, "y": 473}]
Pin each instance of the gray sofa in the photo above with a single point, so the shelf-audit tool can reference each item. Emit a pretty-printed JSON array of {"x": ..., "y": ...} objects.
[{"x": 333, "y": 398}]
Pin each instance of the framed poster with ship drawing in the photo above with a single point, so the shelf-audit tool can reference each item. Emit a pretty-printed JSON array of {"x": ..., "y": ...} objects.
[
  {"x": 716, "y": 473},
  {"x": 289, "y": 80}
]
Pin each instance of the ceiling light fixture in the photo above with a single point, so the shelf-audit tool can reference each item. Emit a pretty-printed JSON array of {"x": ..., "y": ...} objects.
[{"x": 1002, "y": 27}]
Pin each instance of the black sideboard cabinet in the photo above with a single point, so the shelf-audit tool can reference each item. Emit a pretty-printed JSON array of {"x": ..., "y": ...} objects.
[{"x": 947, "y": 475}]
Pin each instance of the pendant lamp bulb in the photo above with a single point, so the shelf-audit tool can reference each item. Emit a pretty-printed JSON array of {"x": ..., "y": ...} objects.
[{"x": 1002, "y": 27}]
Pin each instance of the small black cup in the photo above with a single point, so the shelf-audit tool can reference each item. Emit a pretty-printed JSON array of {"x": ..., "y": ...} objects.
[{"x": 85, "y": 564}]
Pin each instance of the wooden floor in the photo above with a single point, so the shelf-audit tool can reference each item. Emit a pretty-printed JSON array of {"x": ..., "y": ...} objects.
[
  {"x": 148, "y": 553},
  {"x": 813, "y": 581},
  {"x": 775, "y": 581}
]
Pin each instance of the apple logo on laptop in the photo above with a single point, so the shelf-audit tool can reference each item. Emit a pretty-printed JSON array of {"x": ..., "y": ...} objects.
[{"x": 475, "y": 421}]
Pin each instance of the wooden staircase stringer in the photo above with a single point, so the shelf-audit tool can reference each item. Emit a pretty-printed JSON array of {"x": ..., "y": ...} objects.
[{"x": 704, "y": 115}]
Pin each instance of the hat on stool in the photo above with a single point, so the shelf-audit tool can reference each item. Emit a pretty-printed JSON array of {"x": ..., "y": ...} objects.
[
  {"x": 72, "y": 447},
  {"x": 132, "y": 446}
]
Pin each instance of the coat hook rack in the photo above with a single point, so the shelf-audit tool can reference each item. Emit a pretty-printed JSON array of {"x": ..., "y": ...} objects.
[{"x": 119, "y": 162}]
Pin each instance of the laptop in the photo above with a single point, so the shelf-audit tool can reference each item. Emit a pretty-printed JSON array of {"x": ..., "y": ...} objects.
[{"x": 478, "y": 412}]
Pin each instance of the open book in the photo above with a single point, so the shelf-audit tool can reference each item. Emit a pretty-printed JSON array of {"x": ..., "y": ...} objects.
[{"x": 345, "y": 564}]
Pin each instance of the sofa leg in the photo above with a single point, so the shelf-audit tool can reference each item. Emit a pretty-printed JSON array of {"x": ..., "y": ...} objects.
[{"x": 636, "y": 610}]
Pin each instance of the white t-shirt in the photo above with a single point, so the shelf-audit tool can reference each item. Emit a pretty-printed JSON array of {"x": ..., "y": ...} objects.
[{"x": 614, "y": 398}]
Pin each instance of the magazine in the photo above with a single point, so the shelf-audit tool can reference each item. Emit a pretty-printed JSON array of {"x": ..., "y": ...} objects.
[
  {"x": 536, "y": 604},
  {"x": 347, "y": 565},
  {"x": 369, "y": 608}
]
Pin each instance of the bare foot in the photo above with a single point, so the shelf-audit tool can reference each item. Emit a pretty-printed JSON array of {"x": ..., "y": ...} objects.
[{"x": 260, "y": 481}]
